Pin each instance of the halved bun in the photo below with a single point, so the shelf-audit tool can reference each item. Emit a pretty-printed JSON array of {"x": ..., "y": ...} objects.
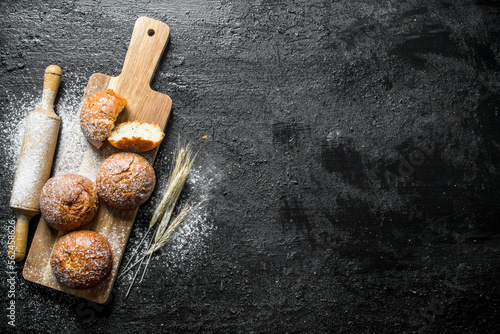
[
  {"x": 98, "y": 115},
  {"x": 136, "y": 136}
]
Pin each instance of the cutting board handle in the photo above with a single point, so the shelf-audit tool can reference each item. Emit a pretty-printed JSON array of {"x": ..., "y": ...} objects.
[{"x": 147, "y": 44}]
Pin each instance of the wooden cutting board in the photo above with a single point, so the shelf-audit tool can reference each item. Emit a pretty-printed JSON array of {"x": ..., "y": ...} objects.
[{"x": 147, "y": 44}]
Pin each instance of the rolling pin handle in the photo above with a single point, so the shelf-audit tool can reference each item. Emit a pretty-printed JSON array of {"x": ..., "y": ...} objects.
[
  {"x": 17, "y": 247},
  {"x": 51, "y": 81}
]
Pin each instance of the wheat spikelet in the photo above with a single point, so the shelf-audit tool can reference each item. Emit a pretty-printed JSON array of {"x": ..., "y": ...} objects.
[
  {"x": 180, "y": 169},
  {"x": 183, "y": 161},
  {"x": 163, "y": 238}
]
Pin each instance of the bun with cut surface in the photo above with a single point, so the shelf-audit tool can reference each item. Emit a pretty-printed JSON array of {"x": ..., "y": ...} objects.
[{"x": 136, "y": 136}]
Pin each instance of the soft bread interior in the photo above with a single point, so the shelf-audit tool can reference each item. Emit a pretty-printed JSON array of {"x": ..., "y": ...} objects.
[
  {"x": 117, "y": 114},
  {"x": 129, "y": 130}
]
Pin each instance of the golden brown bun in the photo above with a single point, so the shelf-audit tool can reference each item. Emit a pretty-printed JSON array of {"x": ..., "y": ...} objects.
[
  {"x": 136, "y": 136},
  {"x": 125, "y": 180},
  {"x": 68, "y": 202},
  {"x": 81, "y": 259},
  {"x": 98, "y": 115}
]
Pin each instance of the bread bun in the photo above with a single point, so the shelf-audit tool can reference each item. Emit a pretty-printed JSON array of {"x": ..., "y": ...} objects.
[
  {"x": 125, "y": 180},
  {"x": 68, "y": 202},
  {"x": 81, "y": 259},
  {"x": 136, "y": 136},
  {"x": 98, "y": 115}
]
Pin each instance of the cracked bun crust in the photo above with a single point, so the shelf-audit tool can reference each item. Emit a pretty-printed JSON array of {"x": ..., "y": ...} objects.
[
  {"x": 125, "y": 180},
  {"x": 68, "y": 202},
  {"x": 81, "y": 259},
  {"x": 98, "y": 115}
]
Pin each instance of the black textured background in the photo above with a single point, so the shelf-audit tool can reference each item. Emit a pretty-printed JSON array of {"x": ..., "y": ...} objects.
[{"x": 359, "y": 148}]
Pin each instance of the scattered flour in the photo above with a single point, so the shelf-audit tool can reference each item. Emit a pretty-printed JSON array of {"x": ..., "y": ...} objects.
[
  {"x": 34, "y": 166},
  {"x": 192, "y": 238},
  {"x": 189, "y": 241},
  {"x": 12, "y": 129}
]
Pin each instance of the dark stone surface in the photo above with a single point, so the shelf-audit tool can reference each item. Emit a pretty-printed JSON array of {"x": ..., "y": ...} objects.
[{"x": 359, "y": 143}]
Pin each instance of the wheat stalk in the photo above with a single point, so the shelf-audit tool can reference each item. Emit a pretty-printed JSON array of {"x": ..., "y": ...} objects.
[
  {"x": 183, "y": 161},
  {"x": 156, "y": 246},
  {"x": 163, "y": 238}
]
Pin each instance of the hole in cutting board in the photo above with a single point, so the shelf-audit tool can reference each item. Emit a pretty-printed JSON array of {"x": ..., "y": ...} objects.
[{"x": 151, "y": 32}]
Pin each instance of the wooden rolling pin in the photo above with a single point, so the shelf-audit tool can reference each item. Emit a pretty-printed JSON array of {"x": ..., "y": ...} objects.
[{"x": 35, "y": 162}]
